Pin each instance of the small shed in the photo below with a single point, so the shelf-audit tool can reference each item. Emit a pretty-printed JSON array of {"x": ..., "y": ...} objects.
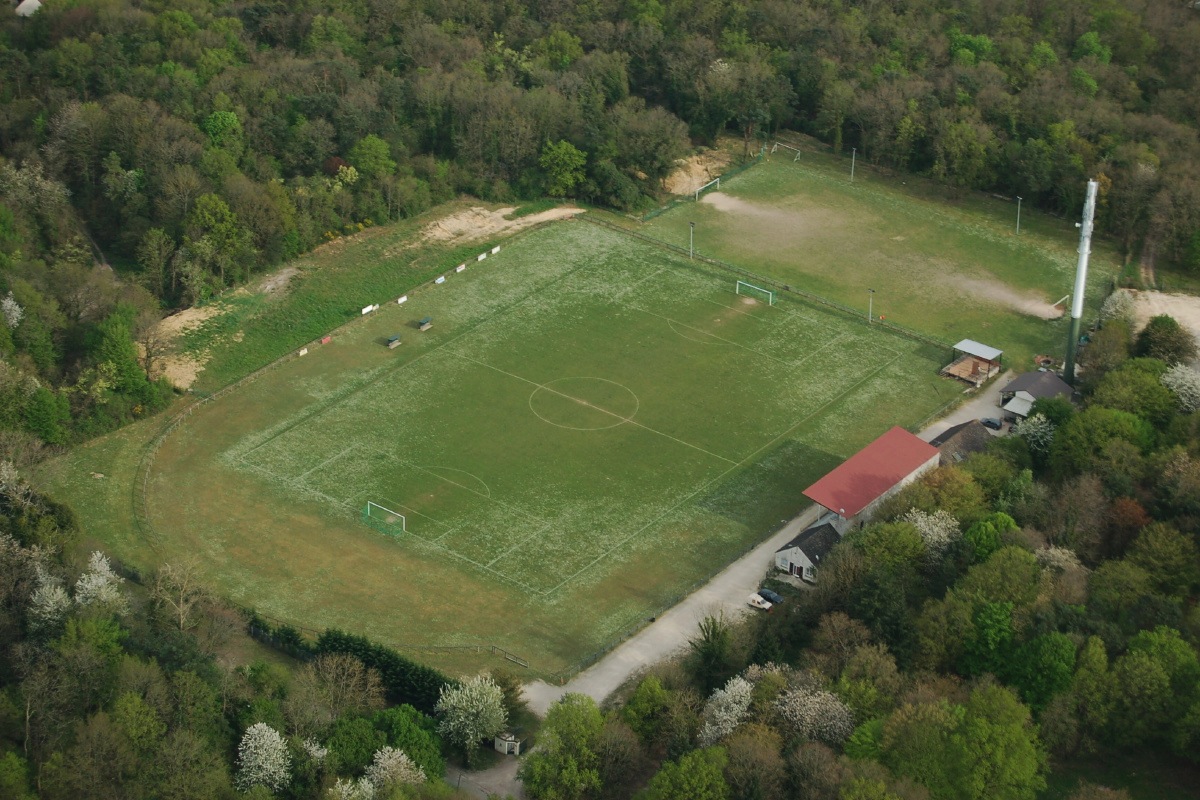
[
  {"x": 425, "y": 323},
  {"x": 802, "y": 555},
  {"x": 974, "y": 362},
  {"x": 508, "y": 744},
  {"x": 393, "y": 342}
]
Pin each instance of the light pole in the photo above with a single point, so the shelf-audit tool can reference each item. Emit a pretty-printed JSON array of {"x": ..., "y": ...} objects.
[
  {"x": 1018, "y": 214},
  {"x": 691, "y": 239},
  {"x": 870, "y": 305},
  {"x": 853, "y": 158}
]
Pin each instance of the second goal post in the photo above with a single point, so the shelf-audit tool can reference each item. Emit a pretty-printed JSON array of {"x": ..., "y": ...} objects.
[
  {"x": 750, "y": 290},
  {"x": 384, "y": 518}
]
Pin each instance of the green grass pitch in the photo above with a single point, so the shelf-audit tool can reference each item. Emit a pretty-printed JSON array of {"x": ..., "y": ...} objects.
[{"x": 592, "y": 425}]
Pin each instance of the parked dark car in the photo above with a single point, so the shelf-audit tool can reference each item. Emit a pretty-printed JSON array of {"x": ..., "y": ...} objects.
[
  {"x": 772, "y": 597},
  {"x": 992, "y": 422}
]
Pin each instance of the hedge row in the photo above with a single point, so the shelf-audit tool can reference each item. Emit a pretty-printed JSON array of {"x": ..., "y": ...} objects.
[{"x": 404, "y": 680}]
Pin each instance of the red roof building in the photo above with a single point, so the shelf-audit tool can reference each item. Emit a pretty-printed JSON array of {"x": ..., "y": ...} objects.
[{"x": 873, "y": 473}]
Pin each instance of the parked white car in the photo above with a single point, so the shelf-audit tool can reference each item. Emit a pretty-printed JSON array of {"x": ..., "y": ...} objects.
[{"x": 758, "y": 601}]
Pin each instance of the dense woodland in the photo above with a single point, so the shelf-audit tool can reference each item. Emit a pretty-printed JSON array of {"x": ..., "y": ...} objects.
[
  {"x": 192, "y": 144},
  {"x": 1030, "y": 607}
]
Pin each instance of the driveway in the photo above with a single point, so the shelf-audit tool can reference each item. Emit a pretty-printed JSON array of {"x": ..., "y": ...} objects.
[{"x": 727, "y": 592}]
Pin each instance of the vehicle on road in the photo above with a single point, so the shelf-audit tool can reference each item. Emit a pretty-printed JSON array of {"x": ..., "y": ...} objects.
[{"x": 992, "y": 422}]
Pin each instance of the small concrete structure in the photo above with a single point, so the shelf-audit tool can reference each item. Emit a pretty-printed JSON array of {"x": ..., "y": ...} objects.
[{"x": 508, "y": 744}]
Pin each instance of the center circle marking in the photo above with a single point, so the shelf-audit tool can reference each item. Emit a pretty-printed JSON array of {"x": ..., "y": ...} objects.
[{"x": 574, "y": 390}]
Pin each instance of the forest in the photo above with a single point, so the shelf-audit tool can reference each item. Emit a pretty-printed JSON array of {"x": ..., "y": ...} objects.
[
  {"x": 188, "y": 146},
  {"x": 1005, "y": 623}
]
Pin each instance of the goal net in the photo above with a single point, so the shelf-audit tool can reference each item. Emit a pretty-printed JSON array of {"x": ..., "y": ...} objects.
[
  {"x": 757, "y": 292},
  {"x": 714, "y": 182},
  {"x": 384, "y": 518}
]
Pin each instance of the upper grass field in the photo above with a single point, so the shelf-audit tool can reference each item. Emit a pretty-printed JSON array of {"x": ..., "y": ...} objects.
[
  {"x": 592, "y": 426},
  {"x": 949, "y": 265}
]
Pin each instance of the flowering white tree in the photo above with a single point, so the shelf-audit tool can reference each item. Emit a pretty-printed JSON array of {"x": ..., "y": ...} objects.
[
  {"x": 816, "y": 715},
  {"x": 263, "y": 759},
  {"x": 939, "y": 530},
  {"x": 1184, "y": 382},
  {"x": 471, "y": 711},
  {"x": 316, "y": 751},
  {"x": 49, "y": 604},
  {"x": 1037, "y": 431},
  {"x": 12, "y": 311},
  {"x": 391, "y": 767},
  {"x": 352, "y": 789},
  {"x": 725, "y": 710},
  {"x": 1059, "y": 559},
  {"x": 100, "y": 586},
  {"x": 1118, "y": 306}
]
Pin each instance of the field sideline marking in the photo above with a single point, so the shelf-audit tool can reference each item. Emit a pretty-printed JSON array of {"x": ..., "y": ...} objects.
[
  {"x": 324, "y": 463},
  {"x": 598, "y": 408},
  {"x": 675, "y": 507}
]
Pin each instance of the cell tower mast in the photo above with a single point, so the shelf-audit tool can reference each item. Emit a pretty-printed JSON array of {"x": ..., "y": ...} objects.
[{"x": 1085, "y": 250}]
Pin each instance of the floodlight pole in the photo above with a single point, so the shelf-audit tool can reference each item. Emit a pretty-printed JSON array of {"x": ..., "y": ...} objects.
[
  {"x": 1085, "y": 250},
  {"x": 1018, "y": 215},
  {"x": 691, "y": 240},
  {"x": 870, "y": 306},
  {"x": 853, "y": 158}
]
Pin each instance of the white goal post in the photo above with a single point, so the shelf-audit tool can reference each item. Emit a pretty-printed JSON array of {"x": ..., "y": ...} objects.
[
  {"x": 778, "y": 145},
  {"x": 385, "y": 515},
  {"x": 714, "y": 182},
  {"x": 751, "y": 290}
]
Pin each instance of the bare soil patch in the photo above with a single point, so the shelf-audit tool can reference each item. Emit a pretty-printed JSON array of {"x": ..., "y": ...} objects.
[
  {"x": 1185, "y": 308},
  {"x": 182, "y": 369},
  {"x": 779, "y": 224},
  {"x": 277, "y": 281},
  {"x": 480, "y": 223},
  {"x": 693, "y": 172},
  {"x": 994, "y": 291}
]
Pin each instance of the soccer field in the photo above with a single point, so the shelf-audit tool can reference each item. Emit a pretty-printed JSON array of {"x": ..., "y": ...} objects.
[{"x": 591, "y": 426}]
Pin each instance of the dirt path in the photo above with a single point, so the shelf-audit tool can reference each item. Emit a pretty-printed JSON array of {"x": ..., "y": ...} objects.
[
  {"x": 1146, "y": 263},
  {"x": 669, "y": 634}
]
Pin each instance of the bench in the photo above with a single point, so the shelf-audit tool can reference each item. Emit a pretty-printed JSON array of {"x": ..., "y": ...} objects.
[
  {"x": 393, "y": 342},
  {"x": 425, "y": 324}
]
